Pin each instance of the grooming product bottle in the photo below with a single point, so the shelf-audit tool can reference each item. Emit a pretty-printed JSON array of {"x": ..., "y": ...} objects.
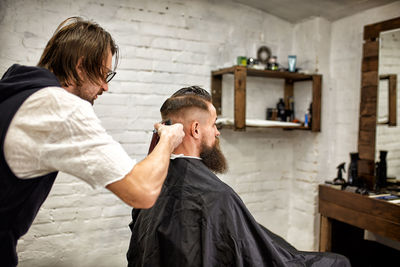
[
  {"x": 339, "y": 179},
  {"x": 271, "y": 114},
  {"x": 352, "y": 174},
  {"x": 241, "y": 61},
  {"x": 381, "y": 170},
  {"x": 292, "y": 63},
  {"x": 273, "y": 63},
  {"x": 280, "y": 106}
]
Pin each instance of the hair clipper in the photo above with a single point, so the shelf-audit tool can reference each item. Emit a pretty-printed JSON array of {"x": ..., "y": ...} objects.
[{"x": 155, "y": 138}]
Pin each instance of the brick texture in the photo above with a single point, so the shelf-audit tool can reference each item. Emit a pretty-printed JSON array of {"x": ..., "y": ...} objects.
[{"x": 167, "y": 45}]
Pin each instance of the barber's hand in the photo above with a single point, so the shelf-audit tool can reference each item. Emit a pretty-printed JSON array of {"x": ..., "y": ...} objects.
[{"x": 174, "y": 133}]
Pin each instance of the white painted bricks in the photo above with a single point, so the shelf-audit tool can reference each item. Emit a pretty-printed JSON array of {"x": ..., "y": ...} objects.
[{"x": 166, "y": 46}]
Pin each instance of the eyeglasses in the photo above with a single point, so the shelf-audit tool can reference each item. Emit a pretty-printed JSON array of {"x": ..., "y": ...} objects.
[{"x": 110, "y": 75}]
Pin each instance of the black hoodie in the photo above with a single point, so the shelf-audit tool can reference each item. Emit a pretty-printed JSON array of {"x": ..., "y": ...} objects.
[{"x": 20, "y": 199}]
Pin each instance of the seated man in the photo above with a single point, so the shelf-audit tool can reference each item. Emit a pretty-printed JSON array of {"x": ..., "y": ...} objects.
[{"x": 198, "y": 220}]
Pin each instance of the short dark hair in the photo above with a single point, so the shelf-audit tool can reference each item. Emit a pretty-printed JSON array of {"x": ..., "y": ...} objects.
[
  {"x": 187, "y": 97},
  {"x": 193, "y": 90},
  {"x": 77, "y": 38}
]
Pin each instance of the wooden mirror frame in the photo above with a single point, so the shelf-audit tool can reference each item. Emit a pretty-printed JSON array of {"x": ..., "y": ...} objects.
[{"x": 368, "y": 100}]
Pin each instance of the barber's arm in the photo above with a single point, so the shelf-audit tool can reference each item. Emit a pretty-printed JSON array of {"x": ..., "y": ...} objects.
[{"x": 142, "y": 185}]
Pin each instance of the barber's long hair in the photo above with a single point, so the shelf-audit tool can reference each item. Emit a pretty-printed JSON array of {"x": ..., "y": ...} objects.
[{"x": 77, "y": 38}]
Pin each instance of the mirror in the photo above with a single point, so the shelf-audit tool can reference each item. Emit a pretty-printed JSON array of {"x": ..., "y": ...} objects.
[
  {"x": 387, "y": 135},
  {"x": 370, "y": 80}
]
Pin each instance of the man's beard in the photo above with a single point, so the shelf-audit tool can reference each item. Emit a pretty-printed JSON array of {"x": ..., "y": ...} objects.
[{"x": 213, "y": 157}]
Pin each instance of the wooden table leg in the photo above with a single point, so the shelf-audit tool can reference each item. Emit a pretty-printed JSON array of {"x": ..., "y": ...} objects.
[{"x": 325, "y": 238}]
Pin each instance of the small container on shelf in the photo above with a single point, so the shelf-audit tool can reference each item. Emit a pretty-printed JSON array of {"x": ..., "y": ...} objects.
[{"x": 273, "y": 63}]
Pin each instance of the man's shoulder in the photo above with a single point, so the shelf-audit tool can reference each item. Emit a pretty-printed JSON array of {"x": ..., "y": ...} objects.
[
  {"x": 55, "y": 92},
  {"x": 192, "y": 174},
  {"x": 57, "y": 98},
  {"x": 195, "y": 169},
  {"x": 52, "y": 106}
]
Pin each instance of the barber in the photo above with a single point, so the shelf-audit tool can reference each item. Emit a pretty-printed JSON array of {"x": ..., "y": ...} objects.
[{"x": 47, "y": 124}]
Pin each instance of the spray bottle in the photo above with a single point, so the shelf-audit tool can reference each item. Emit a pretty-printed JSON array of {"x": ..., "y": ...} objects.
[{"x": 339, "y": 179}]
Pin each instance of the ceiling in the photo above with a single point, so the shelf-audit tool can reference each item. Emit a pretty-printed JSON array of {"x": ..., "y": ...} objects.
[{"x": 298, "y": 10}]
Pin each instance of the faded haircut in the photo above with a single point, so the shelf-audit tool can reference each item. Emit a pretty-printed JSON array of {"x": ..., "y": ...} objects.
[
  {"x": 193, "y": 90},
  {"x": 187, "y": 97},
  {"x": 77, "y": 38}
]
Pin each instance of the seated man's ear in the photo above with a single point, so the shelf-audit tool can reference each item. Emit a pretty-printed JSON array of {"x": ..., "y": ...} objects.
[{"x": 195, "y": 129}]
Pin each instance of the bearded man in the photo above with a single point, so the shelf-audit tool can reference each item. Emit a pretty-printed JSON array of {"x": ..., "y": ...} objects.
[{"x": 198, "y": 220}]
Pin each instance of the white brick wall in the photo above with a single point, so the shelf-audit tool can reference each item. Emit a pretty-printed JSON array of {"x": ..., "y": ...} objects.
[{"x": 165, "y": 46}]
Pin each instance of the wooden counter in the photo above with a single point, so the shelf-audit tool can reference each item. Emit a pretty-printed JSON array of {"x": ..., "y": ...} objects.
[{"x": 378, "y": 216}]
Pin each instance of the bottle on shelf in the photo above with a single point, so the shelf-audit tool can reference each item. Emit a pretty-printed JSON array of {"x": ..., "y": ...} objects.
[
  {"x": 273, "y": 63},
  {"x": 381, "y": 170},
  {"x": 280, "y": 106},
  {"x": 339, "y": 178},
  {"x": 352, "y": 174}
]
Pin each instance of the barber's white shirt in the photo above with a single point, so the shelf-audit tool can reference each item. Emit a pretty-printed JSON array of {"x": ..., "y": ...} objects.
[{"x": 54, "y": 130}]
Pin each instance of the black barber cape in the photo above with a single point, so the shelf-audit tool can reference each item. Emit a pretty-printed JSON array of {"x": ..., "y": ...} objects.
[{"x": 200, "y": 221}]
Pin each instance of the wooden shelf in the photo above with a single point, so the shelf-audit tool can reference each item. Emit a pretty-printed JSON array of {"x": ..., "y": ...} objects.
[
  {"x": 294, "y": 76},
  {"x": 240, "y": 74},
  {"x": 252, "y": 123},
  {"x": 228, "y": 126}
]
